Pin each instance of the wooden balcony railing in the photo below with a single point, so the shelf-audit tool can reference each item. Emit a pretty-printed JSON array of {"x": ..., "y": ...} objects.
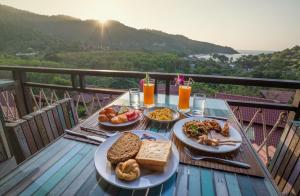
[{"x": 78, "y": 81}]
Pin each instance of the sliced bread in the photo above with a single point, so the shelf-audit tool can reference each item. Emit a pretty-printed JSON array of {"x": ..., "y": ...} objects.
[
  {"x": 126, "y": 147},
  {"x": 154, "y": 155}
]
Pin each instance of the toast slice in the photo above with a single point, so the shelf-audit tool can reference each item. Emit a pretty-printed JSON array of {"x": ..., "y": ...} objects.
[
  {"x": 154, "y": 155},
  {"x": 126, "y": 147}
]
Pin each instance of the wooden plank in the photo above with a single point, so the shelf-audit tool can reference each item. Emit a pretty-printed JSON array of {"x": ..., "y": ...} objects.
[
  {"x": 4, "y": 138},
  {"x": 47, "y": 126},
  {"x": 58, "y": 123},
  {"x": 41, "y": 128},
  {"x": 232, "y": 184},
  {"x": 66, "y": 114},
  {"x": 75, "y": 115},
  {"x": 270, "y": 187},
  {"x": 194, "y": 181},
  {"x": 102, "y": 187},
  {"x": 290, "y": 156},
  {"x": 125, "y": 192},
  {"x": 26, "y": 174},
  {"x": 29, "y": 136},
  {"x": 86, "y": 175},
  {"x": 283, "y": 152},
  {"x": 292, "y": 179},
  {"x": 154, "y": 191},
  {"x": 22, "y": 141},
  {"x": 34, "y": 130},
  {"x": 17, "y": 141},
  {"x": 142, "y": 192},
  {"x": 70, "y": 113},
  {"x": 22, "y": 98},
  {"x": 289, "y": 153},
  {"x": 259, "y": 186},
  {"x": 53, "y": 169},
  {"x": 61, "y": 116},
  {"x": 290, "y": 166},
  {"x": 169, "y": 186},
  {"x": 7, "y": 166},
  {"x": 207, "y": 185},
  {"x": 72, "y": 175},
  {"x": 296, "y": 187},
  {"x": 182, "y": 180},
  {"x": 64, "y": 170},
  {"x": 52, "y": 123},
  {"x": 18, "y": 174},
  {"x": 279, "y": 146},
  {"x": 220, "y": 183},
  {"x": 245, "y": 185}
]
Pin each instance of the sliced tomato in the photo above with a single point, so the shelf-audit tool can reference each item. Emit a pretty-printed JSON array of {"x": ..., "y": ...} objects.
[
  {"x": 135, "y": 116},
  {"x": 130, "y": 114}
]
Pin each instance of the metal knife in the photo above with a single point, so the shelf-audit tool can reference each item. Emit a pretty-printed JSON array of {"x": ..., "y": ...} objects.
[
  {"x": 90, "y": 137},
  {"x": 205, "y": 116}
]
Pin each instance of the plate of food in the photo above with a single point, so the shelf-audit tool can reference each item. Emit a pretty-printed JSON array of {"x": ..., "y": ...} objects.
[
  {"x": 161, "y": 114},
  {"x": 137, "y": 159},
  {"x": 210, "y": 135},
  {"x": 118, "y": 116}
]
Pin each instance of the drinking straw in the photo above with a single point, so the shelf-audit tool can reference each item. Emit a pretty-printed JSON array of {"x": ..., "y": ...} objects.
[{"x": 147, "y": 78}]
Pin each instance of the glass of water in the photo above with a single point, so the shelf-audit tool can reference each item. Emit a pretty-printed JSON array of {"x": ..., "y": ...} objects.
[
  {"x": 198, "y": 104},
  {"x": 134, "y": 97}
]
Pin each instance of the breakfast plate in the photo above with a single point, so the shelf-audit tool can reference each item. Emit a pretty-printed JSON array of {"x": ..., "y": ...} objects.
[
  {"x": 173, "y": 114},
  {"x": 109, "y": 124},
  {"x": 119, "y": 116},
  {"x": 147, "y": 178},
  {"x": 192, "y": 142}
]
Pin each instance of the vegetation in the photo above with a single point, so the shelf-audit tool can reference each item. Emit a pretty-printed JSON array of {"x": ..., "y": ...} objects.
[{"x": 279, "y": 65}]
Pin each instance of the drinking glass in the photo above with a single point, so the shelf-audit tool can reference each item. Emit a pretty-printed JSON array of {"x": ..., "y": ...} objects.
[
  {"x": 198, "y": 104},
  {"x": 134, "y": 97},
  {"x": 148, "y": 89},
  {"x": 184, "y": 93}
]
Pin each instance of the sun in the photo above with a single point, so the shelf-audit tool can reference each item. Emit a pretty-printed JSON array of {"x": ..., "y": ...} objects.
[{"x": 103, "y": 21}]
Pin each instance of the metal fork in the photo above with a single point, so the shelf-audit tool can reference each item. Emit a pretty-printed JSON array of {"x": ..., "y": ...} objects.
[{"x": 215, "y": 159}]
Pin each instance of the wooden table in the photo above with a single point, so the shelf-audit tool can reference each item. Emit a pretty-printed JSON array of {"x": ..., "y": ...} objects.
[{"x": 67, "y": 167}]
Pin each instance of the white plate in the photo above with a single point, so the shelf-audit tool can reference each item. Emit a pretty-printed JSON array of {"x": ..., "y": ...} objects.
[
  {"x": 192, "y": 142},
  {"x": 147, "y": 179},
  {"x": 109, "y": 124}
]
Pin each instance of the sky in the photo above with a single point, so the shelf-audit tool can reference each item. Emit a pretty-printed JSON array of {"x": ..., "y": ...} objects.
[{"x": 241, "y": 24}]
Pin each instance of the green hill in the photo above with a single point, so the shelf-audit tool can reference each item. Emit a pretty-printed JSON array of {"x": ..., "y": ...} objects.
[{"x": 22, "y": 29}]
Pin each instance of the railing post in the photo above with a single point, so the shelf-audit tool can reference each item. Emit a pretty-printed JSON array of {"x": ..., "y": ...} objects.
[
  {"x": 292, "y": 116},
  {"x": 81, "y": 81},
  {"x": 155, "y": 86},
  {"x": 167, "y": 87},
  {"x": 74, "y": 81},
  {"x": 23, "y": 98}
]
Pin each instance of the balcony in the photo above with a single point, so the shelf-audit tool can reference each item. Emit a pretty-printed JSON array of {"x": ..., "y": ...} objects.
[{"x": 262, "y": 119}]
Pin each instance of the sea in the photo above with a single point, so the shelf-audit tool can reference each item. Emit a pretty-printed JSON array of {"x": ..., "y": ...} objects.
[{"x": 233, "y": 56}]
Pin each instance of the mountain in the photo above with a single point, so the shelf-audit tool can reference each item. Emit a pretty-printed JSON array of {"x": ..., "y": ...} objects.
[{"x": 21, "y": 30}]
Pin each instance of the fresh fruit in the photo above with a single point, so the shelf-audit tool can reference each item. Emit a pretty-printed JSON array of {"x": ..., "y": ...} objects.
[{"x": 134, "y": 116}]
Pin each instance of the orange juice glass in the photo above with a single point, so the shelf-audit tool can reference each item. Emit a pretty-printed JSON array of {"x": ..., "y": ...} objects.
[
  {"x": 148, "y": 89},
  {"x": 184, "y": 92}
]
